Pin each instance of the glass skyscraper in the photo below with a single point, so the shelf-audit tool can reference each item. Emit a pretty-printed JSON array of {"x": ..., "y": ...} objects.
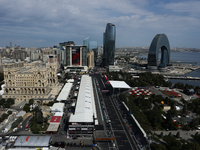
[
  {"x": 92, "y": 45},
  {"x": 86, "y": 42},
  {"x": 109, "y": 37}
]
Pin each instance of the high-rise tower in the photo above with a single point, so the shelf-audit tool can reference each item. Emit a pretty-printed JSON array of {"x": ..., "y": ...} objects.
[
  {"x": 109, "y": 37},
  {"x": 86, "y": 43}
]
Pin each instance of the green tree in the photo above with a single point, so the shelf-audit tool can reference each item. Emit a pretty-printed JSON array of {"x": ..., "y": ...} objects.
[
  {"x": 184, "y": 110},
  {"x": 9, "y": 112},
  {"x": 1, "y": 77},
  {"x": 178, "y": 135},
  {"x": 10, "y": 101},
  {"x": 187, "y": 86},
  {"x": 16, "y": 123},
  {"x": 190, "y": 146},
  {"x": 169, "y": 121},
  {"x": 2, "y": 101},
  {"x": 155, "y": 146},
  {"x": 196, "y": 134},
  {"x": 185, "y": 127},
  {"x": 170, "y": 134},
  {"x": 26, "y": 108},
  {"x": 194, "y": 123},
  {"x": 122, "y": 96},
  {"x": 37, "y": 115},
  {"x": 35, "y": 128},
  {"x": 6, "y": 105},
  {"x": 31, "y": 101},
  {"x": 154, "y": 117},
  {"x": 161, "y": 134},
  {"x": 179, "y": 85},
  {"x": 4, "y": 116},
  {"x": 172, "y": 143}
]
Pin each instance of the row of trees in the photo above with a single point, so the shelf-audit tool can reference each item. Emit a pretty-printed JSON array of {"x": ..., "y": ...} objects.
[
  {"x": 149, "y": 114},
  {"x": 17, "y": 122},
  {"x": 7, "y": 103},
  {"x": 177, "y": 143},
  {"x": 145, "y": 79},
  {"x": 180, "y": 85}
]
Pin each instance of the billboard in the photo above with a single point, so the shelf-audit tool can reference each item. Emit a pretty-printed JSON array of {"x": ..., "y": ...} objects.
[{"x": 75, "y": 55}]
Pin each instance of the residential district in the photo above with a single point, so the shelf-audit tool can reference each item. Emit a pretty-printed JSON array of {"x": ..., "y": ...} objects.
[{"x": 88, "y": 97}]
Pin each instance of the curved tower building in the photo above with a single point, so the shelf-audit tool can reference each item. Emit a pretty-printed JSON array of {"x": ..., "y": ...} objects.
[
  {"x": 160, "y": 42},
  {"x": 109, "y": 45}
]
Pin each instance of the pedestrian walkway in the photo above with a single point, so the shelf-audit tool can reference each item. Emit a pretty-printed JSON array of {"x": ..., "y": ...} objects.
[{"x": 183, "y": 134}]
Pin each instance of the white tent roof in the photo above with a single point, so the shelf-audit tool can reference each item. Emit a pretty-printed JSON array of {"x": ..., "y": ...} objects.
[
  {"x": 53, "y": 127},
  {"x": 58, "y": 105},
  {"x": 85, "y": 106},
  {"x": 59, "y": 114},
  {"x": 119, "y": 84},
  {"x": 85, "y": 117},
  {"x": 65, "y": 92}
]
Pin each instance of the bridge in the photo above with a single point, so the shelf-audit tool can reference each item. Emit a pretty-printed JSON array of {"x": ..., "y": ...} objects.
[{"x": 183, "y": 78}]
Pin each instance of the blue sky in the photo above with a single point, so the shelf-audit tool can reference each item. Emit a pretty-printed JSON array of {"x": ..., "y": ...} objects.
[{"x": 44, "y": 23}]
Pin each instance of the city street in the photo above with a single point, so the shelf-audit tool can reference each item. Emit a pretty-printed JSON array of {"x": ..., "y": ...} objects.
[{"x": 115, "y": 121}]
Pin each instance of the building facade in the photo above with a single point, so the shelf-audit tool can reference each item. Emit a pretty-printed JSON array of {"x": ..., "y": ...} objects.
[
  {"x": 75, "y": 55},
  {"x": 90, "y": 59},
  {"x": 19, "y": 54},
  {"x": 86, "y": 42},
  {"x": 109, "y": 37},
  {"x": 93, "y": 47},
  {"x": 27, "y": 83}
]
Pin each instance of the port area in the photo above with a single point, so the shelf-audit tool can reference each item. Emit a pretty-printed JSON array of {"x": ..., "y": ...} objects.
[
  {"x": 173, "y": 70},
  {"x": 180, "y": 69}
]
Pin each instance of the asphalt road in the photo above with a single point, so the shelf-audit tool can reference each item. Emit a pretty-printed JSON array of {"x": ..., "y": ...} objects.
[{"x": 118, "y": 128}]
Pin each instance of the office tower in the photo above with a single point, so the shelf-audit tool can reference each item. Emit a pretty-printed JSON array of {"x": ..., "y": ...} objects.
[
  {"x": 86, "y": 42},
  {"x": 93, "y": 47},
  {"x": 75, "y": 55},
  {"x": 109, "y": 37}
]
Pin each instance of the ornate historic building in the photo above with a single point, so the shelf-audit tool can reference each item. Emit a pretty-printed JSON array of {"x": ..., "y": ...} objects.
[{"x": 33, "y": 81}]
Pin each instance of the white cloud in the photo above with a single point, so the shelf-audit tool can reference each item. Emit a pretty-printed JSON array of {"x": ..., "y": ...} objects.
[
  {"x": 74, "y": 20},
  {"x": 191, "y": 7}
]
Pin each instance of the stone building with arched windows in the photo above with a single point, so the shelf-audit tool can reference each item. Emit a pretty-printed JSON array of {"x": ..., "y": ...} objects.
[{"x": 30, "y": 82}]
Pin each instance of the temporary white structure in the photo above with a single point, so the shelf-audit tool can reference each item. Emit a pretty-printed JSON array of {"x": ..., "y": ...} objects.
[
  {"x": 119, "y": 84},
  {"x": 57, "y": 107},
  {"x": 85, "y": 107},
  {"x": 65, "y": 92}
]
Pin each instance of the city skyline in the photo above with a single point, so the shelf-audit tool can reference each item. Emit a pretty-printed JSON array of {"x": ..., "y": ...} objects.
[{"x": 47, "y": 23}]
